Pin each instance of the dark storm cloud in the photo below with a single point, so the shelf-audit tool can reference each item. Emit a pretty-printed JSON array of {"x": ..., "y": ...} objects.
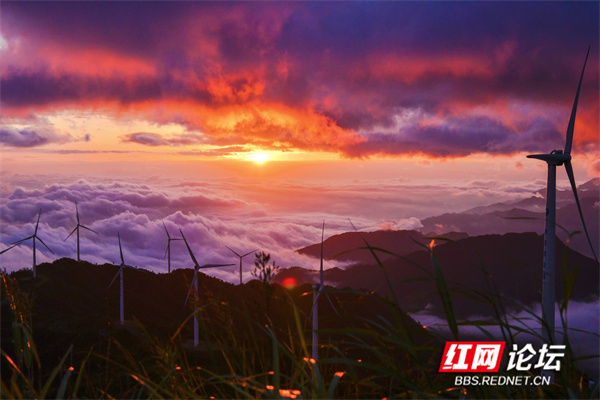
[
  {"x": 346, "y": 68},
  {"x": 43, "y": 88},
  {"x": 460, "y": 137}
]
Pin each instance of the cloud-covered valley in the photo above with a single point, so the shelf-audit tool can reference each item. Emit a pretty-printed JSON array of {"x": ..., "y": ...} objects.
[{"x": 278, "y": 217}]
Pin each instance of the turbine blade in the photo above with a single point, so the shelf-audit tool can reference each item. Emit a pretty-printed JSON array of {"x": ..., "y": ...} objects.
[
  {"x": 187, "y": 297},
  {"x": 120, "y": 249},
  {"x": 569, "y": 169},
  {"x": 315, "y": 300},
  {"x": 117, "y": 274},
  {"x": 317, "y": 297},
  {"x": 191, "y": 287},
  {"x": 166, "y": 231},
  {"x": 41, "y": 241},
  {"x": 72, "y": 232},
  {"x": 22, "y": 240},
  {"x": 91, "y": 230},
  {"x": 250, "y": 252},
  {"x": 7, "y": 249},
  {"x": 214, "y": 266},
  {"x": 233, "y": 251},
  {"x": 571, "y": 126},
  {"x": 189, "y": 249},
  {"x": 332, "y": 306},
  {"x": 37, "y": 223},
  {"x": 167, "y": 249},
  {"x": 77, "y": 213}
]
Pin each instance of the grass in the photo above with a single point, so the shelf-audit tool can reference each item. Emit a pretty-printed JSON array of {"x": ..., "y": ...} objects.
[{"x": 381, "y": 356}]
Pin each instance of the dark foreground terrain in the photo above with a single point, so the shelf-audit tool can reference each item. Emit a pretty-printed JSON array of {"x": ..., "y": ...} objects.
[
  {"x": 61, "y": 337},
  {"x": 242, "y": 330}
]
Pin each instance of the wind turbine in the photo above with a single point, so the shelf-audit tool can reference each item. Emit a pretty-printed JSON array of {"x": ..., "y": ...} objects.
[
  {"x": 317, "y": 289},
  {"x": 554, "y": 159},
  {"x": 194, "y": 284},
  {"x": 168, "y": 249},
  {"x": 33, "y": 238},
  {"x": 120, "y": 275},
  {"x": 241, "y": 256},
  {"x": 77, "y": 229}
]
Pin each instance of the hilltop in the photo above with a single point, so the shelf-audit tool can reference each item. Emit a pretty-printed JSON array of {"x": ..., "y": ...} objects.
[
  {"x": 69, "y": 303},
  {"x": 508, "y": 265},
  {"x": 350, "y": 246}
]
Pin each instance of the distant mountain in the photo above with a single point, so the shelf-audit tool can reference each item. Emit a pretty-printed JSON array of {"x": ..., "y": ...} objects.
[
  {"x": 589, "y": 186},
  {"x": 528, "y": 215},
  {"x": 508, "y": 264},
  {"x": 537, "y": 202},
  {"x": 350, "y": 246}
]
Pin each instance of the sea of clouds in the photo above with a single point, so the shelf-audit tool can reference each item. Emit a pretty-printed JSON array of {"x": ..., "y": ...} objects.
[{"x": 277, "y": 217}]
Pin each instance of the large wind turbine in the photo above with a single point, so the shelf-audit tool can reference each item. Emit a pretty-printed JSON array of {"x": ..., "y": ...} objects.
[
  {"x": 33, "y": 238},
  {"x": 79, "y": 225},
  {"x": 241, "y": 256},
  {"x": 168, "y": 249},
  {"x": 317, "y": 289},
  {"x": 120, "y": 275},
  {"x": 194, "y": 285},
  {"x": 554, "y": 159}
]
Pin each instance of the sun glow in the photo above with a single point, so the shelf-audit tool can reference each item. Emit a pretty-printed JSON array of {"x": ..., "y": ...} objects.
[{"x": 258, "y": 157}]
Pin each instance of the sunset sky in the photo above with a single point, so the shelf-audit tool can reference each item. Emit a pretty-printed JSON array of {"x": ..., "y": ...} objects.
[{"x": 249, "y": 123}]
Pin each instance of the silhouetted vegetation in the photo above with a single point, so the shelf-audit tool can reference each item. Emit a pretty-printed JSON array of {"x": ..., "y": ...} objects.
[{"x": 61, "y": 338}]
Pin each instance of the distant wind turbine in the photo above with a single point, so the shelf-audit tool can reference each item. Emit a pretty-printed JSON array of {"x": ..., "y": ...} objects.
[
  {"x": 33, "y": 238},
  {"x": 120, "y": 275},
  {"x": 554, "y": 159},
  {"x": 194, "y": 285},
  {"x": 79, "y": 225},
  {"x": 168, "y": 249},
  {"x": 241, "y": 256},
  {"x": 317, "y": 289}
]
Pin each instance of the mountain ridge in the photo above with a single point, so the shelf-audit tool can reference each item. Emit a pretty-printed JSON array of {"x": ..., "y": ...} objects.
[{"x": 511, "y": 262}]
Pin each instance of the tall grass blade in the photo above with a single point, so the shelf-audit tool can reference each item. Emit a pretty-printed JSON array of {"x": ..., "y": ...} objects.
[
  {"x": 54, "y": 373},
  {"x": 442, "y": 288}
]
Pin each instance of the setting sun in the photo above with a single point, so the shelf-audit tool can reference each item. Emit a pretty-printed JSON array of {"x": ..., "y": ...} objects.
[{"x": 258, "y": 157}]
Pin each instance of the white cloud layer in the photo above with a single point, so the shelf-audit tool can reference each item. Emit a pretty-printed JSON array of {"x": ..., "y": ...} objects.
[{"x": 276, "y": 217}]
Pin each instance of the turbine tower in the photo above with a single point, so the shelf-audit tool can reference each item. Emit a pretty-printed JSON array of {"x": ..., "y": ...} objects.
[
  {"x": 554, "y": 159},
  {"x": 168, "y": 249},
  {"x": 194, "y": 285},
  {"x": 121, "y": 293},
  {"x": 241, "y": 256},
  {"x": 79, "y": 225},
  {"x": 33, "y": 239}
]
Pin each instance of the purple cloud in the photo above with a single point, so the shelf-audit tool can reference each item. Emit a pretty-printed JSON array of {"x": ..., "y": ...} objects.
[
  {"x": 335, "y": 71},
  {"x": 460, "y": 137},
  {"x": 29, "y": 137},
  {"x": 155, "y": 139}
]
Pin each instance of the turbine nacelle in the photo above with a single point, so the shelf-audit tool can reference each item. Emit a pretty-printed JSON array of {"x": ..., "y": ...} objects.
[
  {"x": 240, "y": 256},
  {"x": 33, "y": 238},
  {"x": 556, "y": 157}
]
